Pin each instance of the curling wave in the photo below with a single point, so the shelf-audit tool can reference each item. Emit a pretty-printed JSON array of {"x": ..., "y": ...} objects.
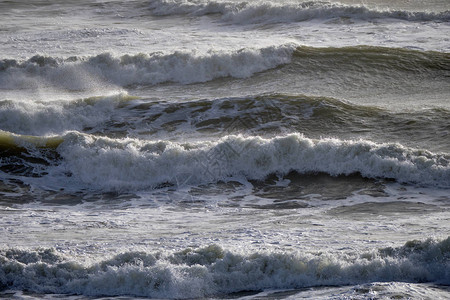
[
  {"x": 214, "y": 271},
  {"x": 265, "y": 12}
]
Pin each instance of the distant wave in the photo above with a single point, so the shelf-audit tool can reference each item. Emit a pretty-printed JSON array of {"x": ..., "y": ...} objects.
[
  {"x": 78, "y": 73},
  {"x": 274, "y": 12},
  {"x": 130, "y": 164},
  {"x": 214, "y": 271}
]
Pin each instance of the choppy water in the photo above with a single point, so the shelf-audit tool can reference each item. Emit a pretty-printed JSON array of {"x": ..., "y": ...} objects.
[{"x": 224, "y": 149}]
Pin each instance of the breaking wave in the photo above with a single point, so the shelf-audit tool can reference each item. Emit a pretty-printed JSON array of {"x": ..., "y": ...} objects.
[
  {"x": 214, "y": 271},
  {"x": 274, "y": 12},
  {"x": 107, "y": 71},
  {"x": 135, "y": 164},
  {"x": 127, "y": 165},
  {"x": 79, "y": 73},
  {"x": 108, "y": 164}
]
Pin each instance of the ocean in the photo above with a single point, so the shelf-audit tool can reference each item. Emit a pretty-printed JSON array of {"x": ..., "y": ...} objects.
[{"x": 223, "y": 149}]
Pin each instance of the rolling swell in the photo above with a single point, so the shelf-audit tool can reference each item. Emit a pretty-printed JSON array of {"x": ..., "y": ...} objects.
[
  {"x": 375, "y": 59},
  {"x": 214, "y": 271},
  {"x": 266, "y": 12}
]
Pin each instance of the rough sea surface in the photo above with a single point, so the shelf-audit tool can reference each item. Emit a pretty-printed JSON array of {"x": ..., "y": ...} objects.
[{"x": 222, "y": 149}]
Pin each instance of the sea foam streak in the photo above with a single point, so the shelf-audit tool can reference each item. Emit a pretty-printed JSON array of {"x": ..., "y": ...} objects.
[
  {"x": 212, "y": 270},
  {"x": 273, "y": 12},
  {"x": 78, "y": 73},
  {"x": 130, "y": 164}
]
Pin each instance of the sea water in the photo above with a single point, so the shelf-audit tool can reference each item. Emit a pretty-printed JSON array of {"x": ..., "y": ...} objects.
[{"x": 225, "y": 149}]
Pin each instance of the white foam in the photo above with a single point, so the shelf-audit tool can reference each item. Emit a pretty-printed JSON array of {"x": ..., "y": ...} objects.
[{"x": 135, "y": 164}]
